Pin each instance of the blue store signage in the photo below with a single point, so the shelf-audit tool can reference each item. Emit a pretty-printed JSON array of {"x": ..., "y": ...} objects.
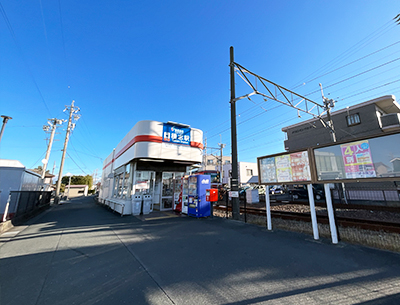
[{"x": 176, "y": 134}]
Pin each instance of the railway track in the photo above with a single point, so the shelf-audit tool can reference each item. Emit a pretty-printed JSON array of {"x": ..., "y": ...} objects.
[{"x": 306, "y": 217}]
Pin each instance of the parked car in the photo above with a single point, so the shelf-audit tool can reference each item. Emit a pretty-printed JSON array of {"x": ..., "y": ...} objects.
[
  {"x": 277, "y": 190},
  {"x": 300, "y": 191},
  {"x": 260, "y": 188}
]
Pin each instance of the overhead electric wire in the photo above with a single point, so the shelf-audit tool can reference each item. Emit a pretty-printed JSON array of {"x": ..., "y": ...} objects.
[
  {"x": 375, "y": 75},
  {"x": 354, "y": 61},
  {"x": 73, "y": 147},
  {"x": 14, "y": 37},
  {"x": 339, "y": 57},
  {"x": 41, "y": 158},
  {"x": 266, "y": 129},
  {"x": 364, "y": 41},
  {"x": 76, "y": 164},
  {"x": 67, "y": 74},
  {"x": 384, "y": 85}
]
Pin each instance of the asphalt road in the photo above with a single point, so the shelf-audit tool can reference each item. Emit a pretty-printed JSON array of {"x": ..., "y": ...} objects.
[{"x": 81, "y": 253}]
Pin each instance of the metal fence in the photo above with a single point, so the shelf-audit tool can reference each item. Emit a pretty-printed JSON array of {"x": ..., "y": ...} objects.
[{"x": 22, "y": 203}]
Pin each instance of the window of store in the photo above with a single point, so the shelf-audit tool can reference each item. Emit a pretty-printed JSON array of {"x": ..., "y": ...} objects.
[
  {"x": 126, "y": 191},
  {"x": 144, "y": 182},
  {"x": 116, "y": 179},
  {"x": 120, "y": 185}
]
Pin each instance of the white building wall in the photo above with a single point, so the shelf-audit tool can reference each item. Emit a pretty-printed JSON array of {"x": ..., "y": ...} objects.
[
  {"x": 244, "y": 169},
  {"x": 14, "y": 177}
]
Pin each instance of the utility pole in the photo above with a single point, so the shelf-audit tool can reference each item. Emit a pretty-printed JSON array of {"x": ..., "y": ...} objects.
[
  {"x": 221, "y": 147},
  {"x": 328, "y": 104},
  {"x": 54, "y": 168},
  {"x": 70, "y": 127},
  {"x": 53, "y": 126},
  {"x": 234, "y": 179},
  {"x": 5, "y": 120}
]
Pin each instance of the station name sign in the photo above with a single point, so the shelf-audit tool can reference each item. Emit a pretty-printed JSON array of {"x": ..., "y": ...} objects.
[{"x": 176, "y": 134}]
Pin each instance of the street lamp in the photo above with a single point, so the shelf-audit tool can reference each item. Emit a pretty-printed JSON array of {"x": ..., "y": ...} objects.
[{"x": 5, "y": 120}]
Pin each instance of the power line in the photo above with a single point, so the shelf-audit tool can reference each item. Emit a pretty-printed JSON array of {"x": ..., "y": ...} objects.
[
  {"x": 356, "y": 75},
  {"x": 76, "y": 163},
  {"x": 41, "y": 157},
  {"x": 384, "y": 85},
  {"x": 354, "y": 61},
  {"x": 10, "y": 28},
  {"x": 337, "y": 59}
]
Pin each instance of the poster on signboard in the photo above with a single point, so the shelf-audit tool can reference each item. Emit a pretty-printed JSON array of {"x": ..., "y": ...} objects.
[
  {"x": 268, "y": 170},
  {"x": 300, "y": 166},
  {"x": 283, "y": 169},
  {"x": 358, "y": 160}
]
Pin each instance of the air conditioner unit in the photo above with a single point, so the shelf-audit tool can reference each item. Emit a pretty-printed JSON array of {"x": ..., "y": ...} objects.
[{"x": 390, "y": 121}]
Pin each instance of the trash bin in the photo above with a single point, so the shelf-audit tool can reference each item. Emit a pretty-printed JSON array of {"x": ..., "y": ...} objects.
[
  {"x": 136, "y": 204},
  {"x": 147, "y": 204}
]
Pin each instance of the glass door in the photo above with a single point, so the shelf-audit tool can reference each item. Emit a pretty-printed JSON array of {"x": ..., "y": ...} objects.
[{"x": 167, "y": 191}]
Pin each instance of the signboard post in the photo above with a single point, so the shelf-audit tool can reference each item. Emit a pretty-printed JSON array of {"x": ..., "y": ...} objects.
[{"x": 286, "y": 168}]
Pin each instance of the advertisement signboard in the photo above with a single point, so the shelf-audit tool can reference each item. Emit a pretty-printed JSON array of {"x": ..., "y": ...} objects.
[
  {"x": 369, "y": 158},
  {"x": 176, "y": 134},
  {"x": 288, "y": 167}
]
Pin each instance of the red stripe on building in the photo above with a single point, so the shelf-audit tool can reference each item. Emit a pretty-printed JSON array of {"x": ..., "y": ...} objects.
[
  {"x": 196, "y": 144},
  {"x": 108, "y": 163},
  {"x": 145, "y": 138}
]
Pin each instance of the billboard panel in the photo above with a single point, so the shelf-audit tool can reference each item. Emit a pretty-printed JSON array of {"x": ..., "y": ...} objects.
[
  {"x": 285, "y": 168},
  {"x": 363, "y": 159}
]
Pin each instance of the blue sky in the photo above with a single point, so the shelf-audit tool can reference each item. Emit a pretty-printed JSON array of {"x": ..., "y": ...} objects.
[{"x": 126, "y": 61}]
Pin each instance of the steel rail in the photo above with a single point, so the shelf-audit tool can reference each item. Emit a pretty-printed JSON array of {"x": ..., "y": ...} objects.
[{"x": 372, "y": 225}]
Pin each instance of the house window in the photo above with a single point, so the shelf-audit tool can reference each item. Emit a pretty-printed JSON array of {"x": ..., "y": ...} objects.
[
  {"x": 210, "y": 162},
  {"x": 249, "y": 172},
  {"x": 227, "y": 162},
  {"x": 353, "y": 119}
]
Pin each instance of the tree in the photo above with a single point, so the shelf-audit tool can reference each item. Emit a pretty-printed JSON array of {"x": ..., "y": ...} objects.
[
  {"x": 78, "y": 180},
  {"x": 39, "y": 170}
]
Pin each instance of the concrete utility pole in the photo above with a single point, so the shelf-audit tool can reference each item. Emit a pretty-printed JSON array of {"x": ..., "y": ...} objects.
[
  {"x": 5, "y": 120},
  {"x": 328, "y": 103},
  {"x": 221, "y": 147},
  {"x": 234, "y": 179},
  {"x": 53, "y": 126},
  {"x": 70, "y": 127}
]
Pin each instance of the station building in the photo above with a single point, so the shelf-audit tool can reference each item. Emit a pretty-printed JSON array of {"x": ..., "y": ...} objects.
[{"x": 146, "y": 162}]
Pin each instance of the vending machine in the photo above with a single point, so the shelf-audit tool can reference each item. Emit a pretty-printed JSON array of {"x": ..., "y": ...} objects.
[
  {"x": 177, "y": 195},
  {"x": 198, "y": 205},
  {"x": 185, "y": 193}
]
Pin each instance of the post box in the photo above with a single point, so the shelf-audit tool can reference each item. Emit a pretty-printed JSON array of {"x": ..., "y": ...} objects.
[{"x": 212, "y": 195}]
